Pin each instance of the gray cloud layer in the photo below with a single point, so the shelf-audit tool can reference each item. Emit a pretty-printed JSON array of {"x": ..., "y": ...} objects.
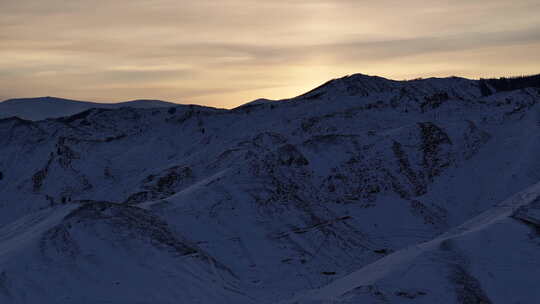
[{"x": 225, "y": 53}]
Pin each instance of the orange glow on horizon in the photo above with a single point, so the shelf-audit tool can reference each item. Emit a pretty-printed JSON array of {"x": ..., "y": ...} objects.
[{"x": 235, "y": 51}]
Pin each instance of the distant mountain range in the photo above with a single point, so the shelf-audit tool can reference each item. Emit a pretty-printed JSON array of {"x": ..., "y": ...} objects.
[
  {"x": 51, "y": 107},
  {"x": 362, "y": 190}
]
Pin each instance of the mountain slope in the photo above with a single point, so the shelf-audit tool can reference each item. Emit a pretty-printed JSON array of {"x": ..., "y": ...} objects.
[
  {"x": 480, "y": 261},
  {"x": 118, "y": 253},
  {"x": 51, "y": 107},
  {"x": 279, "y": 197}
]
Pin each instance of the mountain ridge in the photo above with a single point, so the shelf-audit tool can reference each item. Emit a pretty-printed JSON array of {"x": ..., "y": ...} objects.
[
  {"x": 275, "y": 199},
  {"x": 39, "y": 108}
]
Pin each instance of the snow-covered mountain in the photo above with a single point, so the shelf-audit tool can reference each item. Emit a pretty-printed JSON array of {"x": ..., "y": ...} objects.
[
  {"x": 363, "y": 190},
  {"x": 51, "y": 107}
]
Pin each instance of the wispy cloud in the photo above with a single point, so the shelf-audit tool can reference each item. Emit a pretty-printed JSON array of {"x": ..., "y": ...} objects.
[{"x": 227, "y": 52}]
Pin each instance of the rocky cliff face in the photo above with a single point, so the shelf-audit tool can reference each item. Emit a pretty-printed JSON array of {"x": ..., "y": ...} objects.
[{"x": 267, "y": 200}]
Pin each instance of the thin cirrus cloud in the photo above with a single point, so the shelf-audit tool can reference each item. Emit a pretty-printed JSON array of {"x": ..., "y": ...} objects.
[{"x": 229, "y": 52}]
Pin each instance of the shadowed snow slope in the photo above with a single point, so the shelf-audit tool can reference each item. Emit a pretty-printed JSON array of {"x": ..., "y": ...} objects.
[
  {"x": 486, "y": 257},
  {"x": 362, "y": 190}
]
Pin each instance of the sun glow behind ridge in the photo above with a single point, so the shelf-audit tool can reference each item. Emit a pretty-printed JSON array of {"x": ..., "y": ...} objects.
[{"x": 227, "y": 53}]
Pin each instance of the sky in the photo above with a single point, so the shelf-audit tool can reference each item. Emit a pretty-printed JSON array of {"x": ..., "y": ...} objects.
[{"x": 228, "y": 52}]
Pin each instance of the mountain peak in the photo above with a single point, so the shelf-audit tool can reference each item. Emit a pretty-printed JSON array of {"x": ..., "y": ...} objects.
[
  {"x": 38, "y": 99},
  {"x": 355, "y": 84}
]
